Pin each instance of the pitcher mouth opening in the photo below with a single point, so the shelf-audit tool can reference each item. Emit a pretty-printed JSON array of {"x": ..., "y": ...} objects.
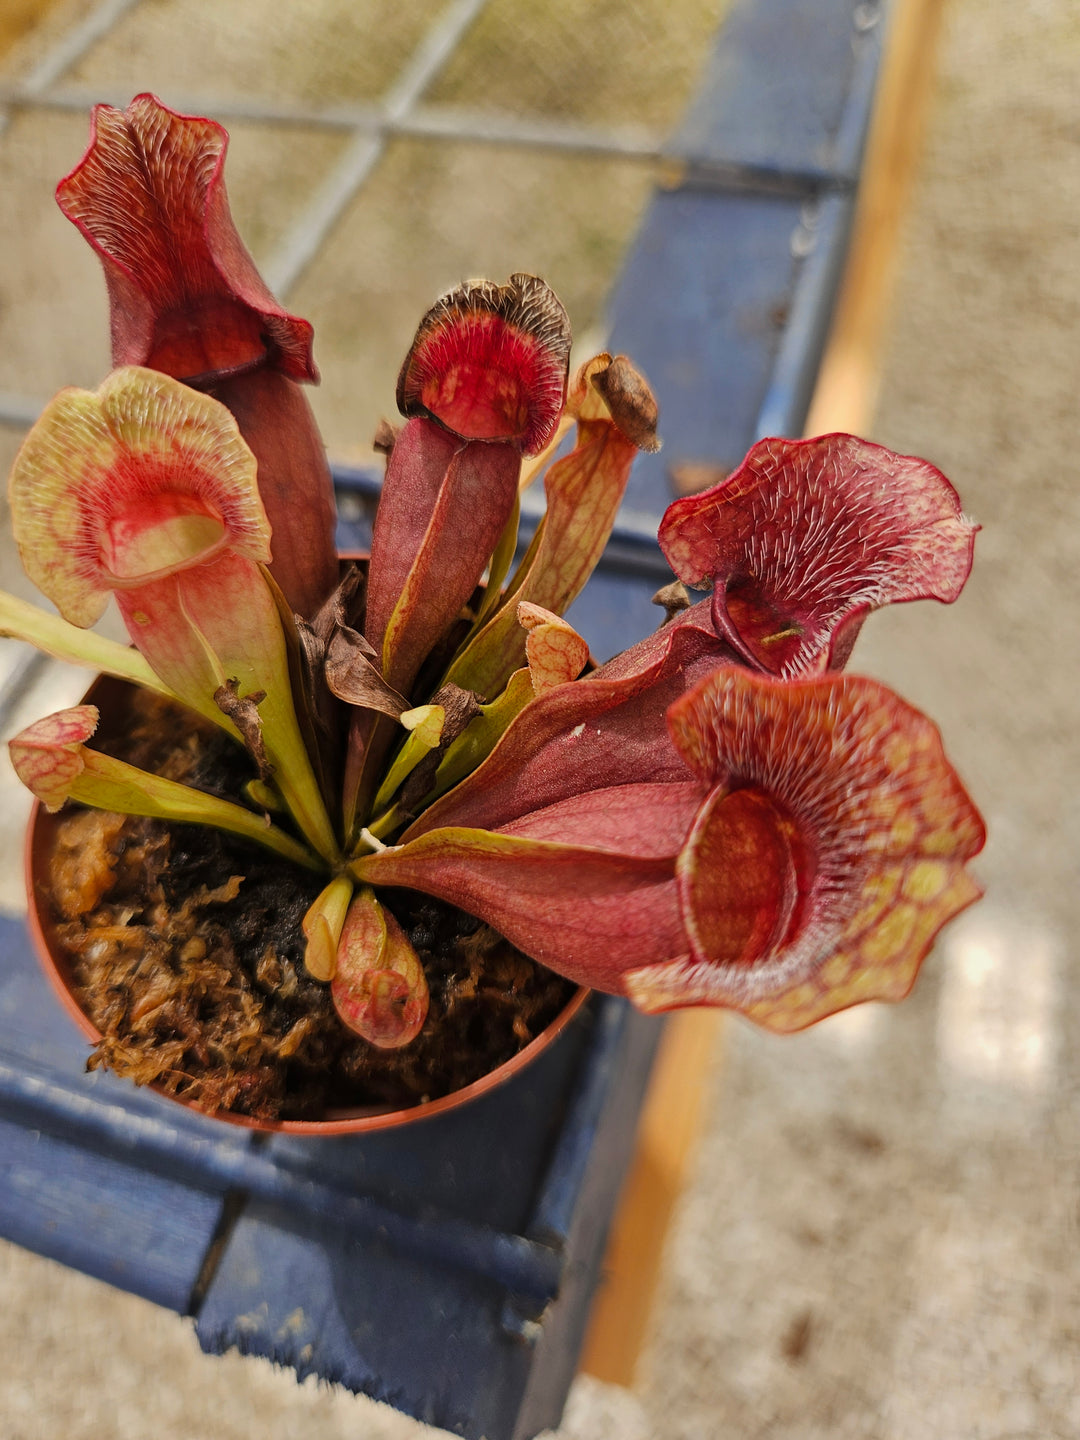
[{"x": 165, "y": 533}]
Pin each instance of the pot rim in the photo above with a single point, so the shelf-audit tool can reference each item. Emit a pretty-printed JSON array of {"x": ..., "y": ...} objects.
[{"x": 58, "y": 972}]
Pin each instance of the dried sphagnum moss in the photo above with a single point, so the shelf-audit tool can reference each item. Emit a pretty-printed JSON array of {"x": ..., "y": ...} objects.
[{"x": 187, "y": 955}]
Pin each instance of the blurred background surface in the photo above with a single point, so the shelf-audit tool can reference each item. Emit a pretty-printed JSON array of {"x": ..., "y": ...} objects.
[{"x": 880, "y": 1235}]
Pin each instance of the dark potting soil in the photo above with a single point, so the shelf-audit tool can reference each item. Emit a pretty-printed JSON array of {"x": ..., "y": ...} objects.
[{"x": 187, "y": 954}]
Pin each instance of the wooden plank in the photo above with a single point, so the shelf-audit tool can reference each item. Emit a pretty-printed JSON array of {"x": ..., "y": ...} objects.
[
  {"x": 66, "y": 1197},
  {"x": 141, "y": 1232},
  {"x": 843, "y": 400},
  {"x": 846, "y": 392},
  {"x": 441, "y": 1341},
  {"x": 701, "y": 304},
  {"x": 676, "y": 1108},
  {"x": 776, "y": 89}
]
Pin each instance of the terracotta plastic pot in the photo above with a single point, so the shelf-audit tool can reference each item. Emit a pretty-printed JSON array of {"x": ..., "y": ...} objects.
[{"x": 40, "y": 841}]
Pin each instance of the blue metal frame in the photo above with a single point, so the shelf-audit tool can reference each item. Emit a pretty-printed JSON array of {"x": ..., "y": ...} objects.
[{"x": 448, "y": 1269}]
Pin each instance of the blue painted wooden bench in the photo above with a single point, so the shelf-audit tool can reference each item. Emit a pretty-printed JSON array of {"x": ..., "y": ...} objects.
[{"x": 449, "y": 1269}]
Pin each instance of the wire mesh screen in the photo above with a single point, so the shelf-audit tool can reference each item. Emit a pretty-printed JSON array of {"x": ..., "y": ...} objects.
[{"x": 381, "y": 152}]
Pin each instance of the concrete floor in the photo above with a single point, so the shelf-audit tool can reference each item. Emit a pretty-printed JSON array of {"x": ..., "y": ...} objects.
[{"x": 880, "y": 1239}]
